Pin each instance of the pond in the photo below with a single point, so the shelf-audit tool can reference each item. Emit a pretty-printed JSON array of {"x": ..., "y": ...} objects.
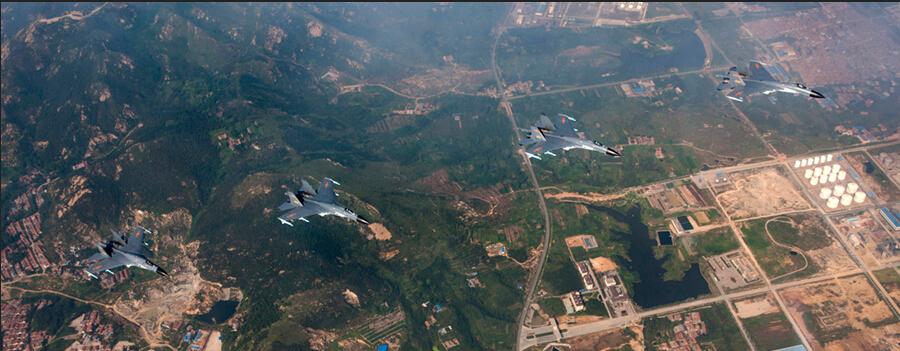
[
  {"x": 220, "y": 312},
  {"x": 652, "y": 290}
]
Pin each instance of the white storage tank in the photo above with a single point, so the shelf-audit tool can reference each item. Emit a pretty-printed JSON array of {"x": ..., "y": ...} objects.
[
  {"x": 817, "y": 172},
  {"x": 816, "y": 160},
  {"x": 838, "y": 190},
  {"x": 825, "y": 193},
  {"x": 823, "y": 179},
  {"x": 828, "y": 158},
  {"x": 842, "y": 175},
  {"x": 832, "y": 202},
  {"x": 846, "y": 199},
  {"x": 852, "y": 188},
  {"x": 835, "y": 168},
  {"x": 809, "y": 161},
  {"x": 832, "y": 177},
  {"x": 826, "y": 170},
  {"x": 859, "y": 197},
  {"x": 797, "y": 164},
  {"x": 808, "y": 173},
  {"x": 814, "y": 181}
]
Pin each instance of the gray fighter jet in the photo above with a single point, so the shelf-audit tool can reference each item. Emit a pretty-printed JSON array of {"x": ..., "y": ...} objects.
[
  {"x": 757, "y": 81},
  {"x": 547, "y": 136},
  {"x": 323, "y": 202},
  {"x": 123, "y": 250}
]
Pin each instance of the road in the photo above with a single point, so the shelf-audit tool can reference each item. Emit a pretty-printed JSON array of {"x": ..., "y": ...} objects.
[
  {"x": 601, "y": 85},
  {"x": 534, "y": 275}
]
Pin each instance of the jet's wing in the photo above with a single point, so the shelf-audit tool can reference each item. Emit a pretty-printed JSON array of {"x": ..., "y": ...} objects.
[
  {"x": 105, "y": 264},
  {"x": 759, "y": 71},
  {"x": 546, "y": 147},
  {"x": 301, "y": 213},
  {"x": 750, "y": 88},
  {"x": 134, "y": 242},
  {"x": 565, "y": 126},
  {"x": 326, "y": 194},
  {"x": 756, "y": 88}
]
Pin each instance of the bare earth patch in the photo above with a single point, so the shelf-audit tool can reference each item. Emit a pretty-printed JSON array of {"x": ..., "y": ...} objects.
[
  {"x": 166, "y": 300},
  {"x": 381, "y": 233},
  {"x": 755, "y": 306},
  {"x": 760, "y": 194},
  {"x": 589, "y": 197},
  {"x": 603, "y": 264},
  {"x": 843, "y": 314}
]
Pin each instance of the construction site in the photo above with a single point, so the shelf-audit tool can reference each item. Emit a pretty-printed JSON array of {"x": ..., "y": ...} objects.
[
  {"x": 868, "y": 237},
  {"x": 758, "y": 193},
  {"x": 842, "y": 314}
]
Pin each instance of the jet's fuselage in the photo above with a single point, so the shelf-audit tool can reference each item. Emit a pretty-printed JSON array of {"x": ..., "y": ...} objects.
[{"x": 790, "y": 88}]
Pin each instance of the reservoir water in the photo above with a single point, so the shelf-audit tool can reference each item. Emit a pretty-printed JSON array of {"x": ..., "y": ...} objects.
[
  {"x": 652, "y": 290},
  {"x": 220, "y": 312}
]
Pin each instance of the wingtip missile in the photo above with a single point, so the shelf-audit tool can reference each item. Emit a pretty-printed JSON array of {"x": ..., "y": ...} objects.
[
  {"x": 284, "y": 221},
  {"x": 567, "y": 116}
]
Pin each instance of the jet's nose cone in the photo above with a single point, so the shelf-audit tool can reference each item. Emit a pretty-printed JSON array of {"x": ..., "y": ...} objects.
[
  {"x": 362, "y": 220},
  {"x": 162, "y": 272},
  {"x": 612, "y": 152},
  {"x": 816, "y": 94}
]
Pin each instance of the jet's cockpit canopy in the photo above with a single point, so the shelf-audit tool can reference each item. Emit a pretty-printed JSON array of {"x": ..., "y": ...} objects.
[
  {"x": 597, "y": 143},
  {"x": 801, "y": 86}
]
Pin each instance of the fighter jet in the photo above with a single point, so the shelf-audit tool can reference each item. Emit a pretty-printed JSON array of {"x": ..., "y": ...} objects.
[
  {"x": 759, "y": 81},
  {"x": 307, "y": 202},
  {"x": 122, "y": 250},
  {"x": 547, "y": 136}
]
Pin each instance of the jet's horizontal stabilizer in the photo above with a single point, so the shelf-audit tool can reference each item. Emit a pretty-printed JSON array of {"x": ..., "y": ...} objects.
[{"x": 287, "y": 206}]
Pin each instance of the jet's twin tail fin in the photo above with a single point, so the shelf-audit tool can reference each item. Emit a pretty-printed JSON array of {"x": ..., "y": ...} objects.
[
  {"x": 307, "y": 189},
  {"x": 545, "y": 123},
  {"x": 293, "y": 202}
]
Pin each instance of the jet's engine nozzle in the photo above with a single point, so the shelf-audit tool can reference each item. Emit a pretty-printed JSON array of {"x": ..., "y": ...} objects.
[
  {"x": 362, "y": 220},
  {"x": 161, "y": 272},
  {"x": 613, "y": 152}
]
